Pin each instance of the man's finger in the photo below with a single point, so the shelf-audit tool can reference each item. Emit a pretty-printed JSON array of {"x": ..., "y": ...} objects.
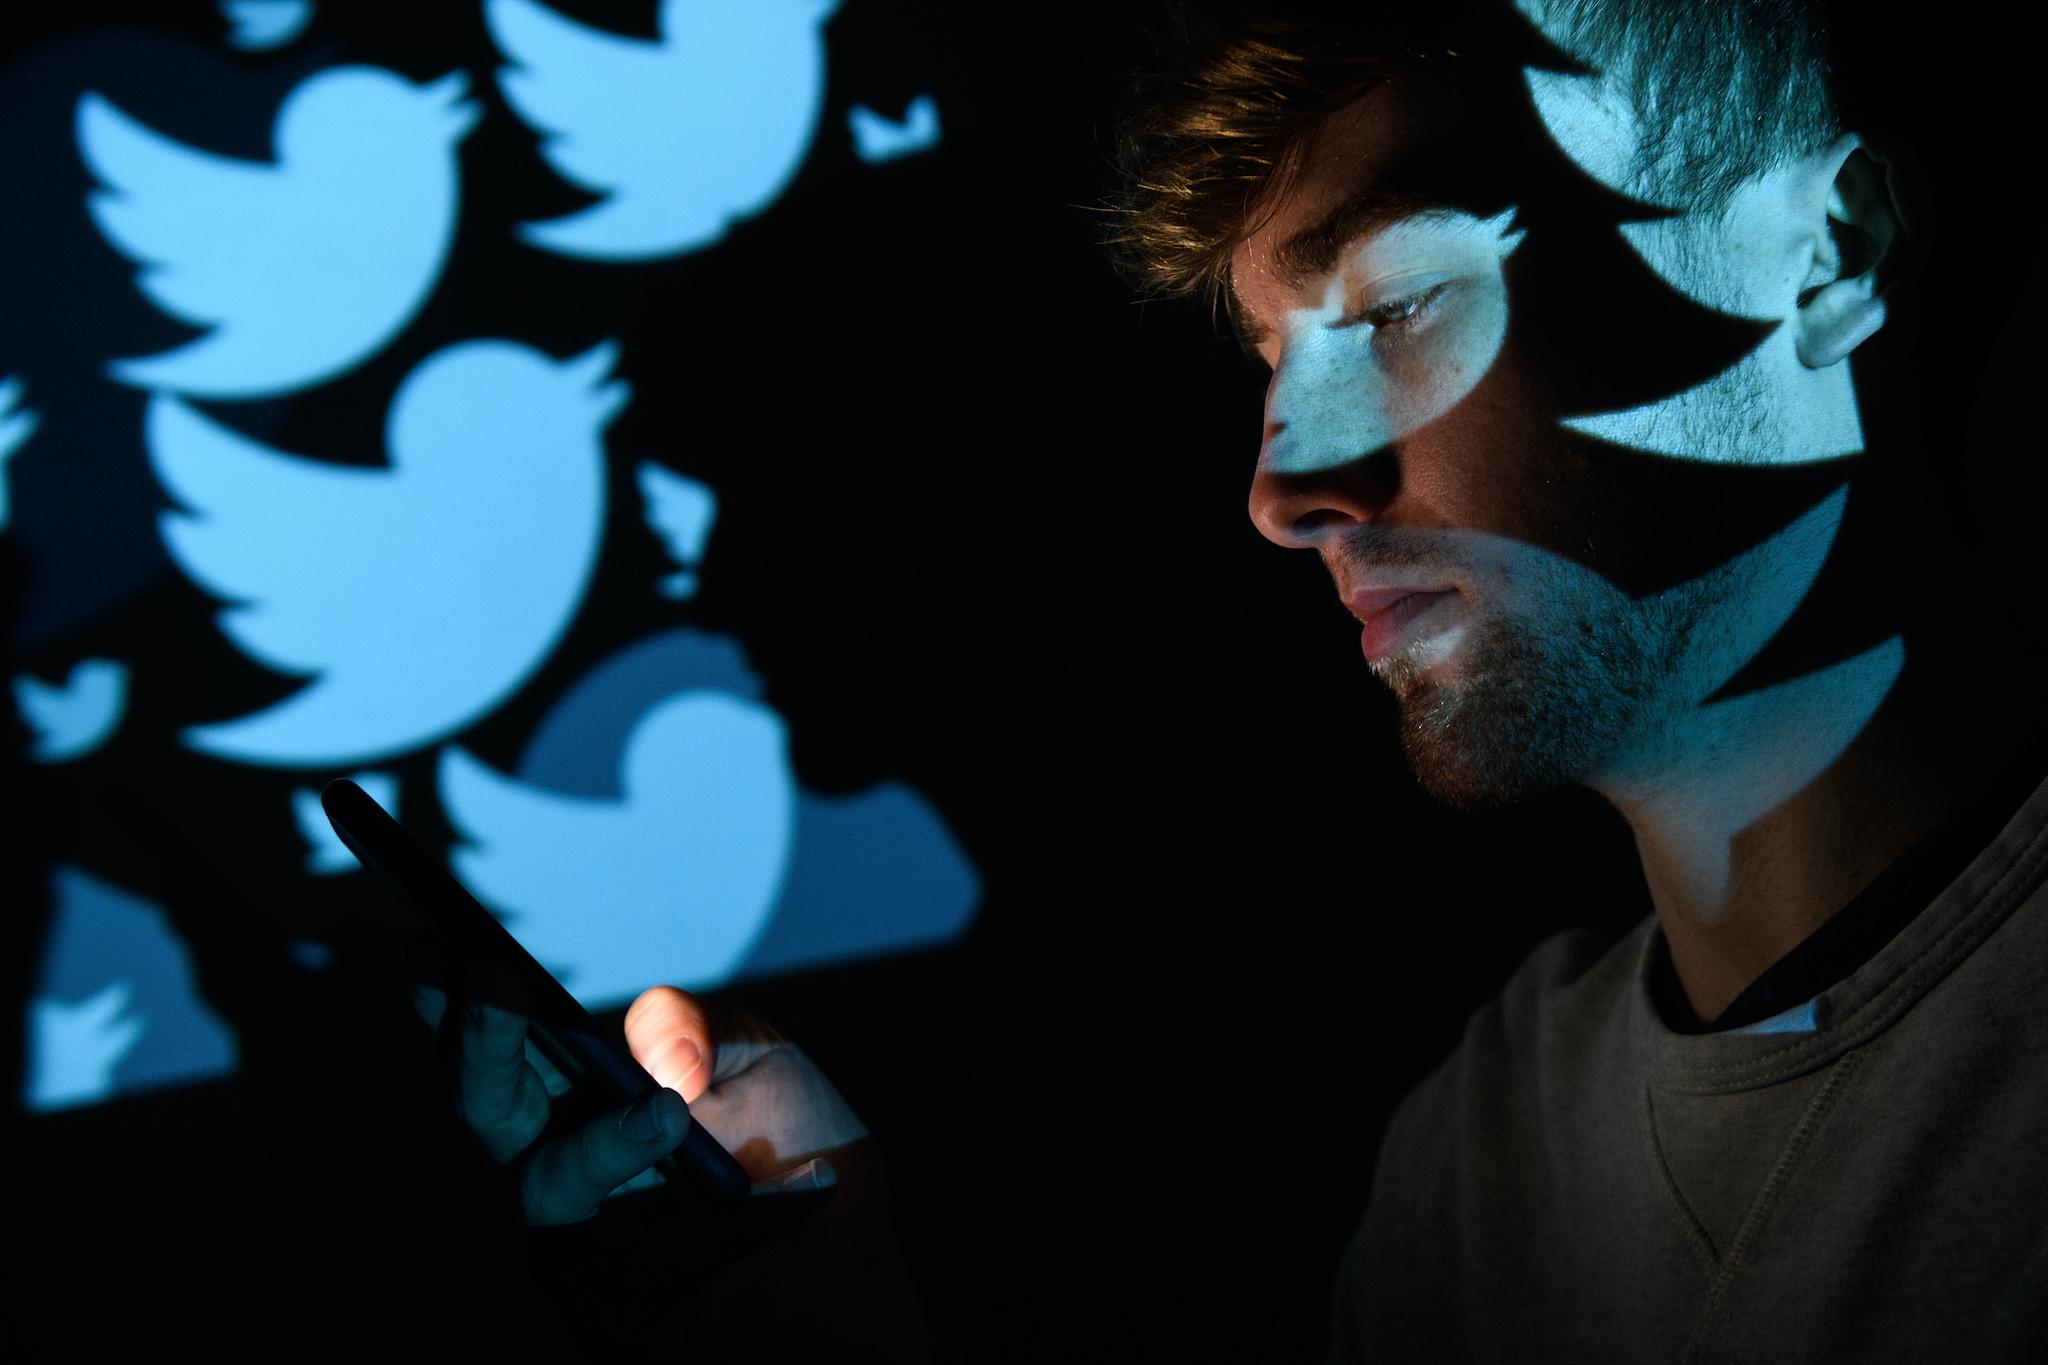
[
  {"x": 499, "y": 1096},
  {"x": 670, "y": 1035},
  {"x": 430, "y": 1004},
  {"x": 565, "y": 1181}
]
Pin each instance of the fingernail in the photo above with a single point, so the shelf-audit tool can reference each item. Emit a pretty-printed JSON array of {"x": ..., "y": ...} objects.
[
  {"x": 683, "y": 1060},
  {"x": 475, "y": 1010},
  {"x": 642, "y": 1122},
  {"x": 816, "y": 1175},
  {"x": 661, "y": 1116},
  {"x": 674, "y": 1115}
]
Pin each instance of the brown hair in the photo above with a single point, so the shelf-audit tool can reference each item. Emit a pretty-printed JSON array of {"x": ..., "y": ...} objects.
[{"x": 1217, "y": 124}]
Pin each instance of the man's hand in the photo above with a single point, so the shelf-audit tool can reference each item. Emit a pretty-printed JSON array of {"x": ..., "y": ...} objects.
[
  {"x": 834, "y": 1288},
  {"x": 751, "y": 1089}
]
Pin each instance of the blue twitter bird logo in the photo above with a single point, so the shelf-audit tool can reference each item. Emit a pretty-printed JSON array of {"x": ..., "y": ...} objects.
[
  {"x": 879, "y": 139},
  {"x": 116, "y": 1007},
  {"x": 17, "y": 424},
  {"x": 300, "y": 269},
  {"x": 684, "y": 135},
  {"x": 74, "y": 1047},
  {"x": 265, "y": 25},
  {"x": 71, "y": 719},
  {"x": 672, "y": 882},
  {"x": 418, "y": 596},
  {"x": 680, "y": 510}
]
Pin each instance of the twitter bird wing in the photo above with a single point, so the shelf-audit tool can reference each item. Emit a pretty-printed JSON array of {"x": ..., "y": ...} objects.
[
  {"x": 680, "y": 510},
  {"x": 71, "y": 719},
  {"x": 573, "y": 83},
  {"x": 189, "y": 218},
  {"x": 522, "y": 837},
  {"x": 290, "y": 542}
]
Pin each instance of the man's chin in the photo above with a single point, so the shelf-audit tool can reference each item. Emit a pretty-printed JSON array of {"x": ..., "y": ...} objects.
[
  {"x": 1470, "y": 780},
  {"x": 1477, "y": 751}
]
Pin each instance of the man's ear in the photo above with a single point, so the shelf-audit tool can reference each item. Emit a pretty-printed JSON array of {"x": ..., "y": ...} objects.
[{"x": 1843, "y": 301}]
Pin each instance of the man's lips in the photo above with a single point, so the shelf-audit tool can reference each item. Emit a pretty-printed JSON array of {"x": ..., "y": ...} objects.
[{"x": 1387, "y": 613}]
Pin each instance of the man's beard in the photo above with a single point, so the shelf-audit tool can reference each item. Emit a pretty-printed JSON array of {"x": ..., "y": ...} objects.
[{"x": 1531, "y": 709}]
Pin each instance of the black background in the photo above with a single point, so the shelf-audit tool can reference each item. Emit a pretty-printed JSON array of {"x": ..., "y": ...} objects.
[{"x": 982, "y": 531}]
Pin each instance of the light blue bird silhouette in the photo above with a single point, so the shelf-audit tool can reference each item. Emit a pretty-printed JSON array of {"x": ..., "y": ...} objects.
[
  {"x": 301, "y": 269},
  {"x": 74, "y": 1047},
  {"x": 71, "y": 719},
  {"x": 672, "y": 883},
  {"x": 416, "y": 597},
  {"x": 17, "y": 424},
  {"x": 265, "y": 25},
  {"x": 680, "y": 510},
  {"x": 878, "y": 139},
  {"x": 116, "y": 1007},
  {"x": 326, "y": 854},
  {"x": 684, "y": 135}
]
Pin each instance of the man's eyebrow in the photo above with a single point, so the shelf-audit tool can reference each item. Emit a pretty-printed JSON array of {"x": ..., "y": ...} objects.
[{"x": 1314, "y": 250}]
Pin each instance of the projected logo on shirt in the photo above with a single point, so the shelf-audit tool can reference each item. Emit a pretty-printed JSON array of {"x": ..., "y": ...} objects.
[
  {"x": 299, "y": 269},
  {"x": 680, "y": 137}
]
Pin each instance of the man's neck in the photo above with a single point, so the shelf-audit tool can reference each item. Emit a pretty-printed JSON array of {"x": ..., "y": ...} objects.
[{"x": 1766, "y": 814}]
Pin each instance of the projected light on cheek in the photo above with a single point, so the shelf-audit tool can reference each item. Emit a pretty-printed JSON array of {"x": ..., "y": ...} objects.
[
  {"x": 1403, "y": 332},
  {"x": 1748, "y": 260}
]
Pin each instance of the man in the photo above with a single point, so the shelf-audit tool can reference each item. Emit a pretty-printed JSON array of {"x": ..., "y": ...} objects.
[{"x": 1560, "y": 309}]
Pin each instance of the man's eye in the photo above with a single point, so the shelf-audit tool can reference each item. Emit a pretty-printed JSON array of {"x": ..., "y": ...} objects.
[{"x": 1401, "y": 312}]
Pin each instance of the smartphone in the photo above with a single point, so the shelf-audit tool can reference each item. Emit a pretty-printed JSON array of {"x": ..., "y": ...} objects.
[{"x": 452, "y": 931}]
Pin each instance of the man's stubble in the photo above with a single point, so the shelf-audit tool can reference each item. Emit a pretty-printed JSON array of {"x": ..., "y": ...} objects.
[{"x": 1541, "y": 699}]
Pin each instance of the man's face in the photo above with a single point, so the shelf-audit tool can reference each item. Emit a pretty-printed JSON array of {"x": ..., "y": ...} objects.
[{"x": 1515, "y": 577}]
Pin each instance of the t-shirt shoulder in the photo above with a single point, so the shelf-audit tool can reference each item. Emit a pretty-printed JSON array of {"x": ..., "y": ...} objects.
[{"x": 1569, "y": 995}]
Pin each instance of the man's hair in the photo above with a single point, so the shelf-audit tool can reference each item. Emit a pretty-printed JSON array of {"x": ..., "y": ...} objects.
[{"x": 1722, "y": 89}]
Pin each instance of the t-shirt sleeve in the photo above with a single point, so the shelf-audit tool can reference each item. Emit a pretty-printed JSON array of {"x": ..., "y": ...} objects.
[
  {"x": 1347, "y": 1335},
  {"x": 1384, "y": 1267}
]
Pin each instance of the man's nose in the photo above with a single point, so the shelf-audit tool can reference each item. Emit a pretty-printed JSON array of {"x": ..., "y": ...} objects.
[
  {"x": 1297, "y": 511},
  {"x": 1326, "y": 461}
]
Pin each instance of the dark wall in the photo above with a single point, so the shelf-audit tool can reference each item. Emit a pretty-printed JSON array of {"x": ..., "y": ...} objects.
[{"x": 983, "y": 532}]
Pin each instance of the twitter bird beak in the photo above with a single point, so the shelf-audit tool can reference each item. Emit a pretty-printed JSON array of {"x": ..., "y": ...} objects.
[
  {"x": 449, "y": 88},
  {"x": 610, "y": 399},
  {"x": 458, "y": 115},
  {"x": 589, "y": 372}
]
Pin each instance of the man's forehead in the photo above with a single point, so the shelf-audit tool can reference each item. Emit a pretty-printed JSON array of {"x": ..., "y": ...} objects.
[{"x": 1350, "y": 161}]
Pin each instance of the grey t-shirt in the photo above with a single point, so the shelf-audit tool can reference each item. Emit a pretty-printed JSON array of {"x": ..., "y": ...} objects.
[{"x": 1862, "y": 1177}]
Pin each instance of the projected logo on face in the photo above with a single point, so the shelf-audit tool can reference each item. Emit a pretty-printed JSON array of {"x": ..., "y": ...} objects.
[
  {"x": 300, "y": 269},
  {"x": 1769, "y": 407},
  {"x": 416, "y": 596},
  {"x": 115, "y": 1008},
  {"x": 1367, "y": 372},
  {"x": 654, "y": 831},
  {"x": 682, "y": 136},
  {"x": 1604, "y": 421}
]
